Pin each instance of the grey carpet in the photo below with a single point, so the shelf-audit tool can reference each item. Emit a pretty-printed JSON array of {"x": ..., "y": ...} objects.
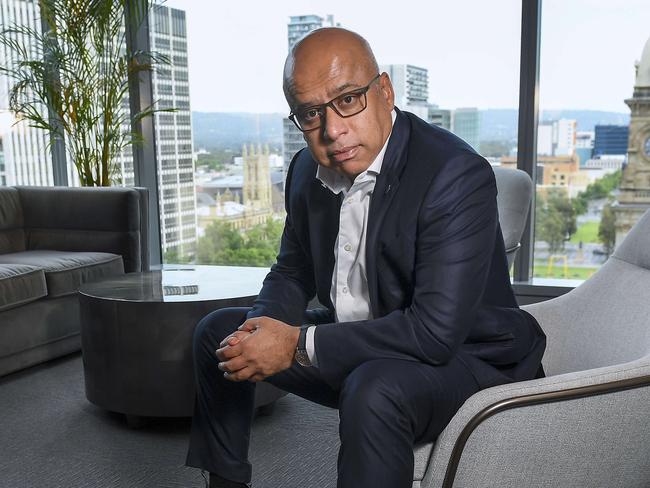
[{"x": 51, "y": 437}]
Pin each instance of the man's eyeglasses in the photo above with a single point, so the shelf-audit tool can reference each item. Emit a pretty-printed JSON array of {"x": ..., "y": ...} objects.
[{"x": 345, "y": 105}]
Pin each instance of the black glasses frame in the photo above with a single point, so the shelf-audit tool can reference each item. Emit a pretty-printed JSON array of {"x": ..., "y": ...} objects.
[{"x": 322, "y": 107}]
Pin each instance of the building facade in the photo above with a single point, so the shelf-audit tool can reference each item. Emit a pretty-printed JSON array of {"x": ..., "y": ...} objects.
[
  {"x": 171, "y": 89},
  {"x": 27, "y": 159},
  {"x": 439, "y": 116},
  {"x": 3, "y": 174},
  {"x": 634, "y": 196},
  {"x": 243, "y": 201},
  {"x": 466, "y": 124},
  {"x": 564, "y": 135},
  {"x": 411, "y": 87},
  {"x": 557, "y": 137},
  {"x": 611, "y": 139}
]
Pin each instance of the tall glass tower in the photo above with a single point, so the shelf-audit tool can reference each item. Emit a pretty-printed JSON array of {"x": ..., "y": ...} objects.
[
  {"x": 27, "y": 158},
  {"x": 171, "y": 88}
]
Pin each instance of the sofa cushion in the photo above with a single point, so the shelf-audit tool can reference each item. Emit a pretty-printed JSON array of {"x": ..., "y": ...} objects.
[
  {"x": 20, "y": 284},
  {"x": 66, "y": 271},
  {"x": 12, "y": 234}
]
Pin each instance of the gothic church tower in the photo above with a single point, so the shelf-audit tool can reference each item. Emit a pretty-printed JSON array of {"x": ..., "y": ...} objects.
[
  {"x": 257, "y": 179},
  {"x": 634, "y": 197}
]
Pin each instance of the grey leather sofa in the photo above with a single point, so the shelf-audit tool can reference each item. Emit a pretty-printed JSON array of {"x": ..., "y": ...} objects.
[{"x": 52, "y": 240}]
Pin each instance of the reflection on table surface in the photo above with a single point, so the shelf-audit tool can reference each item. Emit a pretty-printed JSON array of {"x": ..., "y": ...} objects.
[{"x": 180, "y": 283}]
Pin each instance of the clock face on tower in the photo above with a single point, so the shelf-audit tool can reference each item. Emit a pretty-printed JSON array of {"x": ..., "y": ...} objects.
[{"x": 646, "y": 147}]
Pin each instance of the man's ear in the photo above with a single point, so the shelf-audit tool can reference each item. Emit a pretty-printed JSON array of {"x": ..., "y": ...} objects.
[{"x": 386, "y": 89}]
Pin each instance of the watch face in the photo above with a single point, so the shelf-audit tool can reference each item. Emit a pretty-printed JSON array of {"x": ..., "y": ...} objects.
[
  {"x": 302, "y": 358},
  {"x": 646, "y": 147}
]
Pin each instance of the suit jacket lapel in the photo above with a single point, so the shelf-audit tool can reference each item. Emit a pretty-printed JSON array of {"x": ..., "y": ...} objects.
[
  {"x": 324, "y": 214},
  {"x": 385, "y": 189}
]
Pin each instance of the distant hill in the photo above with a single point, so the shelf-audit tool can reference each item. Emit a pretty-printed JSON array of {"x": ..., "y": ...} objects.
[
  {"x": 214, "y": 130},
  {"x": 219, "y": 130},
  {"x": 587, "y": 119},
  {"x": 501, "y": 124}
]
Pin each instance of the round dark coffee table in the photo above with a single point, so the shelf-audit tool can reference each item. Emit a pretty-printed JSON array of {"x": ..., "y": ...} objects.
[{"x": 136, "y": 336}]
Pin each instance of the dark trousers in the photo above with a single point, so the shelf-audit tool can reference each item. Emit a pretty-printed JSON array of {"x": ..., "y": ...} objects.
[{"x": 385, "y": 407}]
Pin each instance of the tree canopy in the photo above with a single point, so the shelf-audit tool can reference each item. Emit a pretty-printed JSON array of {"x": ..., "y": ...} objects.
[{"x": 257, "y": 246}]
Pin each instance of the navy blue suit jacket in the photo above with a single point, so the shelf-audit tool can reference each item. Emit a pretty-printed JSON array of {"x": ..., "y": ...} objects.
[{"x": 437, "y": 272}]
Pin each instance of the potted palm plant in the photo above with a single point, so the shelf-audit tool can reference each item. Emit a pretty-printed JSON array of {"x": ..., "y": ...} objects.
[{"x": 72, "y": 79}]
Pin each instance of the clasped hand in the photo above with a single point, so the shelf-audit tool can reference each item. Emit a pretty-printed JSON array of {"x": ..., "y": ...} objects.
[{"x": 259, "y": 348}]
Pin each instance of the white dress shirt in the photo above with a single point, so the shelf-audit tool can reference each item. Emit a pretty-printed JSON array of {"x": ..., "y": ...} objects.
[{"x": 349, "y": 292}]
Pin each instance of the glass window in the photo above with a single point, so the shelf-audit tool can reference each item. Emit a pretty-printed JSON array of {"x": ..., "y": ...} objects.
[
  {"x": 592, "y": 182},
  {"x": 456, "y": 71},
  {"x": 25, "y": 157}
]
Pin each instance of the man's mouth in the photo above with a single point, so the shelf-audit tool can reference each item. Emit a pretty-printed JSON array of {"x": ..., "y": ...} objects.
[{"x": 344, "y": 153}]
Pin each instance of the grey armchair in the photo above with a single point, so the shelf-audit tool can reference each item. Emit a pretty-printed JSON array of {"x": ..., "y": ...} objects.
[
  {"x": 587, "y": 423},
  {"x": 515, "y": 191}
]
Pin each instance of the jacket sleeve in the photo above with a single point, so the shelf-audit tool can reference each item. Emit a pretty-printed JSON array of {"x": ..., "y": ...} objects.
[
  {"x": 457, "y": 226},
  {"x": 289, "y": 286}
]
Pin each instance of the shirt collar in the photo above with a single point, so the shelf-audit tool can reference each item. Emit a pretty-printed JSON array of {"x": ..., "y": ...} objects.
[{"x": 336, "y": 182}]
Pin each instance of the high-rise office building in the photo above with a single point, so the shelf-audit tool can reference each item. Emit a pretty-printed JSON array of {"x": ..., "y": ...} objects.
[
  {"x": 585, "y": 139},
  {"x": 27, "y": 158},
  {"x": 557, "y": 137},
  {"x": 466, "y": 124},
  {"x": 411, "y": 86},
  {"x": 564, "y": 134},
  {"x": 545, "y": 146},
  {"x": 439, "y": 116},
  {"x": 298, "y": 26},
  {"x": 610, "y": 139},
  {"x": 171, "y": 88},
  {"x": 584, "y": 146}
]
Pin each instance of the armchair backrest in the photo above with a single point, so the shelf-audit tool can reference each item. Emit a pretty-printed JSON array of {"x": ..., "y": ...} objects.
[
  {"x": 515, "y": 190},
  {"x": 605, "y": 320},
  {"x": 12, "y": 222}
]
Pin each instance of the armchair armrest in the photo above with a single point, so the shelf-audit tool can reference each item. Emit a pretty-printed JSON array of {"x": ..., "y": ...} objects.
[
  {"x": 86, "y": 219},
  {"x": 578, "y": 429}
]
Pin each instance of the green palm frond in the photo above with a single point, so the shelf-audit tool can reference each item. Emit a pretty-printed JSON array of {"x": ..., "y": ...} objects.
[{"x": 79, "y": 69}]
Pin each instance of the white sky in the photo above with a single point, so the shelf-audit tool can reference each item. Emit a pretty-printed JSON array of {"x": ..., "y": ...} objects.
[{"x": 470, "y": 47}]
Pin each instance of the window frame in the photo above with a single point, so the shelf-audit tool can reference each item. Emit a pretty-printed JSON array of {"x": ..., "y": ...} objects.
[{"x": 145, "y": 164}]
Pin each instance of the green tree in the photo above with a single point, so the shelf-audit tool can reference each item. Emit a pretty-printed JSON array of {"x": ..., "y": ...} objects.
[
  {"x": 213, "y": 161},
  {"x": 607, "y": 228},
  {"x": 555, "y": 219},
  {"x": 172, "y": 256},
  {"x": 599, "y": 189},
  {"x": 257, "y": 246}
]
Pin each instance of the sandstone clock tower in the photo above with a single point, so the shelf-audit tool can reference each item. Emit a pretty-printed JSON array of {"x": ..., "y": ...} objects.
[{"x": 634, "y": 197}]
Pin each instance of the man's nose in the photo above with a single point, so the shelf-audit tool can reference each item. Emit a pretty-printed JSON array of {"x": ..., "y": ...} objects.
[{"x": 334, "y": 125}]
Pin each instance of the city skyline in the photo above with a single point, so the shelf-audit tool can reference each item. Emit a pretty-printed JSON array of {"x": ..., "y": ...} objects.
[{"x": 597, "y": 72}]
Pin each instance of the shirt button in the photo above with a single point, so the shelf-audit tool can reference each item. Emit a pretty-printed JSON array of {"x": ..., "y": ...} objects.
[
  {"x": 345, "y": 289},
  {"x": 347, "y": 247}
]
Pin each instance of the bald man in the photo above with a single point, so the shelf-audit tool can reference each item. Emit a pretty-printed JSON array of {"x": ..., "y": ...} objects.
[{"x": 393, "y": 225}]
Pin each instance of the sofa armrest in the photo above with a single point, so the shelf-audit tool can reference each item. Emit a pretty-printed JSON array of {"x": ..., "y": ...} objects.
[
  {"x": 578, "y": 429},
  {"x": 86, "y": 219}
]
